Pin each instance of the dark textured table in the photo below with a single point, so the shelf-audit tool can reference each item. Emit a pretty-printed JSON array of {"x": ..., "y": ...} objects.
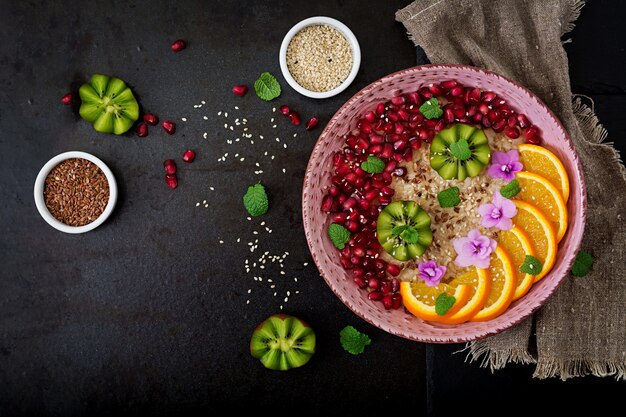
[{"x": 149, "y": 313}]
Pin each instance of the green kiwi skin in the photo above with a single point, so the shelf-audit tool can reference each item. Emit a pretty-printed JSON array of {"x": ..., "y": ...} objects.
[
  {"x": 403, "y": 213},
  {"x": 108, "y": 104},
  {"x": 283, "y": 342},
  {"x": 448, "y": 167}
]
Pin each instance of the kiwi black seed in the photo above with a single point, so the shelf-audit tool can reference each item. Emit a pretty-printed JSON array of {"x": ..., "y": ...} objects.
[
  {"x": 283, "y": 342},
  {"x": 393, "y": 227},
  {"x": 445, "y": 152}
]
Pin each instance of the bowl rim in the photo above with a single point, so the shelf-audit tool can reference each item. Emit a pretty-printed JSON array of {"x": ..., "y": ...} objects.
[
  {"x": 345, "y": 31},
  {"x": 39, "y": 188},
  {"x": 550, "y": 290}
]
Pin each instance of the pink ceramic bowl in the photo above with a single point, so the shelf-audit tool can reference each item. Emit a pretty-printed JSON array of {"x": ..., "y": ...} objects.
[{"x": 317, "y": 179}]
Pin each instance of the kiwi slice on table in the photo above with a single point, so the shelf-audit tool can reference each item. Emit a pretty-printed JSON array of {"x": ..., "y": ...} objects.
[
  {"x": 108, "y": 104},
  {"x": 403, "y": 230},
  {"x": 283, "y": 342},
  {"x": 459, "y": 151}
]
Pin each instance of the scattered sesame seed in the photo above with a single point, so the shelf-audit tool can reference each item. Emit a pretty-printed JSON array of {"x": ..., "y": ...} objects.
[
  {"x": 197, "y": 204},
  {"x": 272, "y": 120},
  {"x": 238, "y": 239},
  {"x": 203, "y": 102},
  {"x": 273, "y": 109},
  {"x": 184, "y": 119},
  {"x": 242, "y": 159},
  {"x": 236, "y": 107},
  {"x": 247, "y": 301},
  {"x": 221, "y": 242},
  {"x": 284, "y": 170},
  {"x": 249, "y": 290},
  {"x": 285, "y": 145},
  {"x": 274, "y": 127},
  {"x": 204, "y": 135},
  {"x": 225, "y": 114},
  {"x": 212, "y": 188},
  {"x": 204, "y": 117},
  {"x": 219, "y": 113}
]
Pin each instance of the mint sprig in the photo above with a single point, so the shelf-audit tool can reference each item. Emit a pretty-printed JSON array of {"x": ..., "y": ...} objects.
[
  {"x": 582, "y": 264},
  {"x": 511, "y": 189},
  {"x": 531, "y": 266},
  {"x": 449, "y": 197},
  {"x": 353, "y": 341},
  {"x": 431, "y": 109},
  {"x": 267, "y": 87},
  {"x": 339, "y": 235},
  {"x": 409, "y": 235},
  {"x": 461, "y": 150},
  {"x": 373, "y": 165},
  {"x": 443, "y": 303},
  {"x": 255, "y": 200}
]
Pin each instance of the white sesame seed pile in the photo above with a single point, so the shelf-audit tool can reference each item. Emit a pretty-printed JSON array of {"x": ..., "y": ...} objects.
[{"x": 319, "y": 58}]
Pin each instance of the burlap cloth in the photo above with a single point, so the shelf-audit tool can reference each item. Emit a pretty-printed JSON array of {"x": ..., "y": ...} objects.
[{"x": 582, "y": 328}]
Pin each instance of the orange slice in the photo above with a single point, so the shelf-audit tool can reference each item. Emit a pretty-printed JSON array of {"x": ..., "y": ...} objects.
[
  {"x": 419, "y": 299},
  {"x": 541, "y": 193},
  {"x": 480, "y": 282},
  {"x": 503, "y": 283},
  {"x": 539, "y": 160},
  {"x": 517, "y": 244},
  {"x": 540, "y": 231}
]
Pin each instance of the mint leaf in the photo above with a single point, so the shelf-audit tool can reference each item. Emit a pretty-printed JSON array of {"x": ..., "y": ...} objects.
[
  {"x": 449, "y": 197},
  {"x": 531, "y": 266},
  {"x": 373, "y": 165},
  {"x": 255, "y": 200},
  {"x": 582, "y": 264},
  {"x": 353, "y": 341},
  {"x": 409, "y": 235},
  {"x": 267, "y": 87},
  {"x": 431, "y": 109},
  {"x": 511, "y": 189},
  {"x": 339, "y": 235},
  {"x": 397, "y": 230},
  {"x": 460, "y": 150},
  {"x": 443, "y": 303}
]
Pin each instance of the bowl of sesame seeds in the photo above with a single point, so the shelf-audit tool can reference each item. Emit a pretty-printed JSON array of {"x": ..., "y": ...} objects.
[
  {"x": 320, "y": 57},
  {"x": 75, "y": 192}
]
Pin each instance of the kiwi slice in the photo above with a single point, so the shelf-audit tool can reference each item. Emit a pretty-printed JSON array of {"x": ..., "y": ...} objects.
[
  {"x": 283, "y": 342},
  {"x": 108, "y": 104},
  {"x": 403, "y": 230},
  {"x": 459, "y": 151}
]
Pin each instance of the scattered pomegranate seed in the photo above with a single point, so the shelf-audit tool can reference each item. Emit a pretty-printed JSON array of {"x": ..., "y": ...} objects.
[
  {"x": 189, "y": 156},
  {"x": 310, "y": 125},
  {"x": 512, "y": 132},
  {"x": 532, "y": 135},
  {"x": 171, "y": 181},
  {"x": 449, "y": 84},
  {"x": 295, "y": 118},
  {"x": 393, "y": 269},
  {"x": 151, "y": 119},
  {"x": 67, "y": 99},
  {"x": 240, "y": 90},
  {"x": 142, "y": 130},
  {"x": 375, "y": 296},
  {"x": 285, "y": 110},
  {"x": 178, "y": 45},
  {"x": 170, "y": 166},
  {"x": 169, "y": 126}
]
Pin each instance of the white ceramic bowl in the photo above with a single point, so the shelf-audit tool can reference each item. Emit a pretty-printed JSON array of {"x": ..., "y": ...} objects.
[
  {"x": 41, "y": 205},
  {"x": 345, "y": 31}
]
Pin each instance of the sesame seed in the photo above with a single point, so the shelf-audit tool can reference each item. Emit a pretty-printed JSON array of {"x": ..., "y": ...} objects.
[
  {"x": 204, "y": 117},
  {"x": 225, "y": 114},
  {"x": 221, "y": 242},
  {"x": 184, "y": 119}
]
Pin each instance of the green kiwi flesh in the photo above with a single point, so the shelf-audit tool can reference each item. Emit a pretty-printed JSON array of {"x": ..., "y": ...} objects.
[
  {"x": 403, "y": 214},
  {"x": 447, "y": 164}
]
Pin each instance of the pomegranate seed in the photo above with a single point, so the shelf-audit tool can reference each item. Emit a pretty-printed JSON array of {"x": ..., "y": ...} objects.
[
  {"x": 189, "y": 156},
  {"x": 387, "y": 151},
  {"x": 392, "y": 116},
  {"x": 403, "y": 115},
  {"x": 373, "y": 283},
  {"x": 142, "y": 130},
  {"x": 360, "y": 282},
  {"x": 380, "y": 108},
  {"x": 358, "y": 272},
  {"x": 488, "y": 96},
  {"x": 171, "y": 181},
  {"x": 376, "y": 139},
  {"x": 415, "y": 143},
  {"x": 385, "y": 286},
  {"x": 474, "y": 96},
  {"x": 387, "y": 302},
  {"x": 384, "y": 200},
  {"x": 459, "y": 112},
  {"x": 457, "y": 91},
  {"x": 375, "y": 296},
  {"x": 391, "y": 165},
  {"x": 532, "y": 135},
  {"x": 436, "y": 90},
  {"x": 448, "y": 115},
  {"x": 67, "y": 99},
  {"x": 370, "y": 116},
  {"x": 358, "y": 251},
  {"x": 523, "y": 121},
  {"x": 398, "y": 100},
  {"x": 170, "y": 167},
  {"x": 295, "y": 118},
  {"x": 414, "y": 98},
  {"x": 169, "y": 126},
  {"x": 395, "y": 284},
  {"x": 388, "y": 191},
  {"x": 396, "y": 300},
  {"x": 399, "y": 172},
  {"x": 449, "y": 84},
  {"x": 151, "y": 119},
  {"x": 425, "y": 92},
  {"x": 386, "y": 178},
  {"x": 333, "y": 190},
  {"x": 478, "y": 117},
  {"x": 178, "y": 45},
  {"x": 240, "y": 90},
  {"x": 493, "y": 116},
  {"x": 327, "y": 202},
  {"x": 285, "y": 110},
  {"x": 511, "y": 121},
  {"x": 512, "y": 132},
  {"x": 393, "y": 269},
  {"x": 313, "y": 121},
  {"x": 339, "y": 217},
  {"x": 485, "y": 121},
  {"x": 499, "y": 126},
  {"x": 346, "y": 263}
]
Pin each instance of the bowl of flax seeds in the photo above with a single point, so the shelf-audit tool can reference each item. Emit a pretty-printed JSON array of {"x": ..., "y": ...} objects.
[{"x": 75, "y": 192}]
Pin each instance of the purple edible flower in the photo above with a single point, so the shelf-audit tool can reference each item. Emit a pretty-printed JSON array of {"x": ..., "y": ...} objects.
[
  {"x": 430, "y": 272},
  {"x": 505, "y": 165},
  {"x": 473, "y": 250},
  {"x": 498, "y": 213}
]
